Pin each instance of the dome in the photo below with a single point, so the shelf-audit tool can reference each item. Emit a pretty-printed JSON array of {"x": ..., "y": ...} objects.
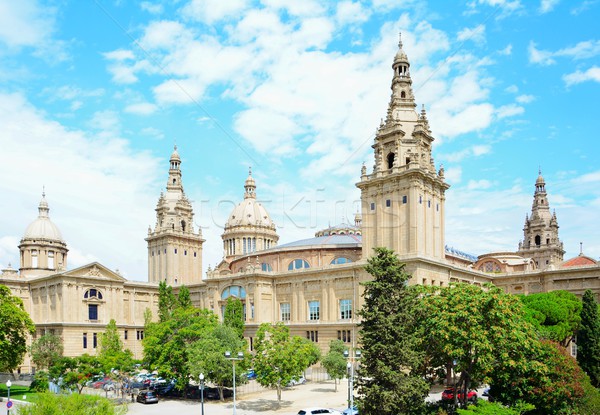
[
  {"x": 42, "y": 227},
  {"x": 175, "y": 154},
  {"x": 250, "y": 213},
  {"x": 579, "y": 261}
]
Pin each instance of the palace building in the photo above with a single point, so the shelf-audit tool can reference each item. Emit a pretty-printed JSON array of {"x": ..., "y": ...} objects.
[{"x": 312, "y": 285}]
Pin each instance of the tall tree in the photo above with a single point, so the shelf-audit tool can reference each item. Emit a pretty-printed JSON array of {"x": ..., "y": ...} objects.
[
  {"x": 166, "y": 301},
  {"x": 234, "y": 315},
  {"x": 389, "y": 334},
  {"x": 276, "y": 358},
  {"x": 15, "y": 326},
  {"x": 334, "y": 361},
  {"x": 183, "y": 298},
  {"x": 111, "y": 353},
  {"x": 588, "y": 338},
  {"x": 46, "y": 350}
]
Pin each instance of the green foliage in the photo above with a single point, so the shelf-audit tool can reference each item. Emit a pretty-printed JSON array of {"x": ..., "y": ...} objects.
[
  {"x": 46, "y": 350},
  {"x": 50, "y": 404},
  {"x": 334, "y": 361},
  {"x": 307, "y": 351},
  {"x": 207, "y": 356},
  {"x": 488, "y": 408},
  {"x": 390, "y": 337},
  {"x": 15, "y": 326},
  {"x": 40, "y": 381},
  {"x": 555, "y": 314},
  {"x": 75, "y": 371},
  {"x": 589, "y": 403},
  {"x": 234, "y": 315},
  {"x": 166, "y": 301},
  {"x": 183, "y": 299},
  {"x": 477, "y": 329},
  {"x": 588, "y": 339},
  {"x": 277, "y": 359},
  {"x": 111, "y": 354}
]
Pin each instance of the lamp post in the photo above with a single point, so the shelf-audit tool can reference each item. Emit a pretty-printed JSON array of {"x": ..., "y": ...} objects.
[
  {"x": 8, "y": 405},
  {"x": 240, "y": 356},
  {"x": 350, "y": 367},
  {"x": 201, "y": 377}
]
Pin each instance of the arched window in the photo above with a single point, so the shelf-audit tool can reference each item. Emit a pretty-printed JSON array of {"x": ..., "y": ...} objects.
[
  {"x": 390, "y": 160},
  {"x": 340, "y": 260},
  {"x": 234, "y": 291},
  {"x": 183, "y": 225},
  {"x": 93, "y": 293},
  {"x": 298, "y": 264},
  {"x": 538, "y": 240},
  {"x": 402, "y": 94},
  {"x": 266, "y": 267}
]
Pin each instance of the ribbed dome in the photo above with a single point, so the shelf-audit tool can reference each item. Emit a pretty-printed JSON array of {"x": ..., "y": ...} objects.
[
  {"x": 42, "y": 227},
  {"x": 249, "y": 212}
]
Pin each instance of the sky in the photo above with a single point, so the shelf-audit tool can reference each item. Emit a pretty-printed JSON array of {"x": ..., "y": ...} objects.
[{"x": 95, "y": 94}]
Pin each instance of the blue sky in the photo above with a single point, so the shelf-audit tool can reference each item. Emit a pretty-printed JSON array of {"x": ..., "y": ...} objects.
[{"x": 93, "y": 95}]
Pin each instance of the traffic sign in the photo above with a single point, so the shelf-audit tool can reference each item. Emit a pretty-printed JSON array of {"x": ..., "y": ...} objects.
[{"x": 9, "y": 404}]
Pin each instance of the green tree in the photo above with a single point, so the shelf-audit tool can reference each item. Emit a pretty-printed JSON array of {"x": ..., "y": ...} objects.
[
  {"x": 15, "y": 326},
  {"x": 46, "y": 350},
  {"x": 183, "y": 298},
  {"x": 555, "y": 314},
  {"x": 389, "y": 334},
  {"x": 493, "y": 408},
  {"x": 234, "y": 315},
  {"x": 334, "y": 361},
  {"x": 477, "y": 329},
  {"x": 111, "y": 353},
  {"x": 207, "y": 356},
  {"x": 166, "y": 301},
  {"x": 51, "y": 404},
  {"x": 75, "y": 371},
  {"x": 588, "y": 339},
  {"x": 308, "y": 352},
  {"x": 276, "y": 358}
]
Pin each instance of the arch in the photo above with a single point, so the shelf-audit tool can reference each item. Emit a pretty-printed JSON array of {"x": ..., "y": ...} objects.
[
  {"x": 340, "y": 260},
  {"x": 183, "y": 225},
  {"x": 402, "y": 94},
  {"x": 390, "y": 160},
  {"x": 298, "y": 264},
  {"x": 93, "y": 293},
  {"x": 265, "y": 266},
  {"x": 236, "y": 291},
  {"x": 538, "y": 240}
]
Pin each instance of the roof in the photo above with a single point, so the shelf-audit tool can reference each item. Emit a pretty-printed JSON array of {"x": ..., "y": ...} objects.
[
  {"x": 42, "y": 227},
  {"x": 345, "y": 240},
  {"x": 579, "y": 261}
]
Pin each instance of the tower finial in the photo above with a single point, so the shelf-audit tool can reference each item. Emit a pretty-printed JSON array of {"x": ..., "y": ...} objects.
[
  {"x": 400, "y": 40},
  {"x": 43, "y": 190},
  {"x": 580, "y": 248},
  {"x": 250, "y": 171}
]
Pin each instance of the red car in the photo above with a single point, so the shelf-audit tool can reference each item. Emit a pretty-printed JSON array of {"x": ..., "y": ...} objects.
[{"x": 448, "y": 395}]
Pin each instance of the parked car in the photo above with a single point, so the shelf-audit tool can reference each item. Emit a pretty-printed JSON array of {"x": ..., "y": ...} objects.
[
  {"x": 109, "y": 386},
  {"x": 448, "y": 395},
  {"x": 251, "y": 374},
  {"x": 353, "y": 411},
  {"x": 147, "y": 397},
  {"x": 213, "y": 393},
  {"x": 311, "y": 411},
  {"x": 297, "y": 381}
]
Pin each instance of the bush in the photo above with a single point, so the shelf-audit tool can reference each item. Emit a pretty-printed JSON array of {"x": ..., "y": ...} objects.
[
  {"x": 40, "y": 381},
  {"x": 488, "y": 408},
  {"x": 590, "y": 402},
  {"x": 75, "y": 404}
]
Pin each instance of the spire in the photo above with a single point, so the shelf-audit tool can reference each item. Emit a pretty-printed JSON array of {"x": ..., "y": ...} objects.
[
  {"x": 174, "y": 183},
  {"x": 43, "y": 208},
  {"x": 250, "y": 186},
  {"x": 402, "y": 93}
]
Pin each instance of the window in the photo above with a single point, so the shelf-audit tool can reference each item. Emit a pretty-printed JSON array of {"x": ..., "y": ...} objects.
[
  {"x": 313, "y": 310},
  {"x": 266, "y": 267},
  {"x": 85, "y": 340},
  {"x": 404, "y": 199},
  {"x": 125, "y": 334},
  {"x": 92, "y": 311},
  {"x": 340, "y": 260},
  {"x": 50, "y": 259},
  {"x": 175, "y": 250},
  {"x": 345, "y": 336},
  {"x": 420, "y": 199},
  {"x": 93, "y": 293},
  {"x": 372, "y": 206},
  {"x": 284, "y": 312},
  {"x": 388, "y": 203},
  {"x": 312, "y": 335},
  {"x": 234, "y": 291},
  {"x": 140, "y": 334},
  {"x": 34, "y": 259},
  {"x": 95, "y": 340},
  {"x": 429, "y": 203},
  {"x": 345, "y": 309},
  {"x": 298, "y": 264}
]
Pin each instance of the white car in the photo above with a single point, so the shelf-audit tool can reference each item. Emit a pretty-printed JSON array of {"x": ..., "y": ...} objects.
[
  {"x": 297, "y": 381},
  {"x": 310, "y": 411}
]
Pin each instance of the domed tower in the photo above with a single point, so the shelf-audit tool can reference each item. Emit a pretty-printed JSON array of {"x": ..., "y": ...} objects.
[
  {"x": 43, "y": 250},
  {"x": 403, "y": 199},
  {"x": 249, "y": 227},
  {"x": 174, "y": 248},
  {"x": 540, "y": 232}
]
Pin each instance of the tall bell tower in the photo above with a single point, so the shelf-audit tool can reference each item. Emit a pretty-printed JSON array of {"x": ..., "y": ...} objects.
[
  {"x": 174, "y": 248},
  {"x": 403, "y": 198}
]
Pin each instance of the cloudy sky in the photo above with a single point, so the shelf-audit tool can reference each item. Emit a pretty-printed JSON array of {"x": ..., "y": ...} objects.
[{"x": 94, "y": 94}]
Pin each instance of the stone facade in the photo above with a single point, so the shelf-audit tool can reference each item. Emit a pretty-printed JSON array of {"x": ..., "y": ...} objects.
[{"x": 311, "y": 285}]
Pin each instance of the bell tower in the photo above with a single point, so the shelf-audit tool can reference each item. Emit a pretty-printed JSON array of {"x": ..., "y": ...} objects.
[
  {"x": 540, "y": 233},
  {"x": 403, "y": 198},
  {"x": 174, "y": 248}
]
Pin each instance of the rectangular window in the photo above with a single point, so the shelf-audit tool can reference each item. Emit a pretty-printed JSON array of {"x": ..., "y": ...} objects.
[
  {"x": 404, "y": 199},
  {"x": 388, "y": 203},
  {"x": 437, "y": 207},
  {"x": 429, "y": 203},
  {"x": 92, "y": 311},
  {"x": 95, "y": 340},
  {"x": 50, "y": 259},
  {"x": 85, "y": 340},
  {"x": 421, "y": 199},
  {"x": 125, "y": 334},
  {"x": 140, "y": 334},
  {"x": 185, "y": 252},
  {"x": 313, "y": 310},
  {"x": 345, "y": 309},
  {"x": 345, "y": 336},
  {"x": 175, "y": 250},
  {"x": 284, "y": 312},
  {"x": 312, "y": 335},
  {"x": 372, "y": 206}
]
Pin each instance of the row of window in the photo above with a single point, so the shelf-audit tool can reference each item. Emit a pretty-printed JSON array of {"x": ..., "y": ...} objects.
[
  {"x": 139, "y": 333},
  {"x": 34, "y": 259},
  {"x": 248, "y": 245},
  {"x": 343, "y": 335},
  {"x": 302, "y": 263},
  {"x": 174, "y": 251},
  {"x": 314, "y": 310},
  {"x": 388, "y": 203}
]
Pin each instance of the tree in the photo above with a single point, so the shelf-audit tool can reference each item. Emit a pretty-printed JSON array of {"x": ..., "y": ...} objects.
[
  {"x": 277, "y": 359},
  {"x": 207, "y": 356},
  {"x": 111, "y": 353},
  {"x": 588, "y": 339},
  {"x": 183, "y": 299},
  {"x": 75, "y": 371},
  {"x": 477, "y": 329},
  {"x": 555, "y": 315},
  {"x": 234, "y": 315},
  {"x": 166, "y": 301},
  {"x": 15, "y": 326},
  {"x": 388, "y": 382},
  {"x": 334, "y": 361},
  {"x": 46, "y": 350}
]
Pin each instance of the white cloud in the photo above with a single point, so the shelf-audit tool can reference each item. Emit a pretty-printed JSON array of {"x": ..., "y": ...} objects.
[
  {"x": 582, "y": 50},
  {"x": 548, "y": 5},
  {"x": 482, "y": 184},
  {"x": 513, "y": 89},
  {"x": 152, "y": 8},
  {"x": 141, "y": 108},
  {"x": 505, "y": 7},
  {"x": 593, "y": 177},
  {"x": 592, "y": 74},
  {"x": 539, "y": 56},
  {"x": 119, "y": 55},
  {"x": 25, "y": 23},
  {"x": 349, "y": 12},
  {"x": 525, "y": 99},
  {"x": 509, "y": 110},
  {"x": 211, "y": 11},
  {"x": 297, "y": 8},
  {"x": 480, "y": 150},
  {"x": 475, "y": 34},
  {"x": 474, "y": 151},
  {"x": 453, "y": 175},
  {"x": 507, "y": 51}
]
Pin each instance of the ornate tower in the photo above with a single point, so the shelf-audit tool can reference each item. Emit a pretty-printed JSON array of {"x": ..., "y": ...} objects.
[
  {"x": 43, "y": 250},
  {"x": 540, "y": 240},
  {"x": 249, "y": 227},
  {"x": 174, "y": 249},
  {"x": 403, "y": 198}
]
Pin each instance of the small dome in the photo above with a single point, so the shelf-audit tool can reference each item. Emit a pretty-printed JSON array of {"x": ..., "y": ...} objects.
[
  {"x": 579, "y": 261},
  {"x": 42, "y": 227},
  {"x": 175, "y": 154},
  {"x": 249, "y": 212},
  {"x": 540, "y": 179}
]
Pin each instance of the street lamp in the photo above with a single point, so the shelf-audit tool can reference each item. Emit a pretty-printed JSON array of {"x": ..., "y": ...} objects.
[
  {"x": 350, "y": 367},
  {"x": 240, "y": 356},
  {"x": 201, "y": 377},
  {"x": 8, "y": 404}
]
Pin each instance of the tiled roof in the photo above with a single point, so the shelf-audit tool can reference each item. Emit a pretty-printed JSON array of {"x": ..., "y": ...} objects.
[
  {"x": 340, "y": 240},
  {"x": 579, "y": 261}
]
